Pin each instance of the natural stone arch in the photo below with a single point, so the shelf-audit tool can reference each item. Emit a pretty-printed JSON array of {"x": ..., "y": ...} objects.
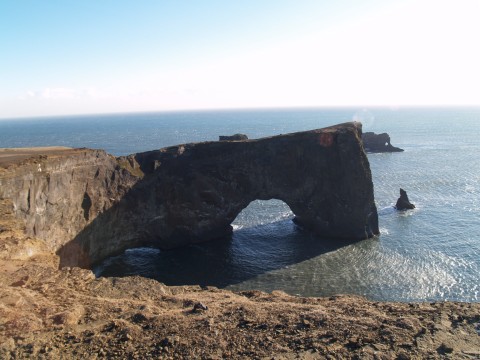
[
  {"x": 199, "y": 189},
  {"x": 378, "y": 143}
]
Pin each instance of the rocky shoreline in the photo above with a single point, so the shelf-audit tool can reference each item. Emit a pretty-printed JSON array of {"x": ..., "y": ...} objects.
[{"x": 48, "y": 311}]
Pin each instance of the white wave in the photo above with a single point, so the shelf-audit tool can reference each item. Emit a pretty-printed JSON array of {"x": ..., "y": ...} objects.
[
  {"x": 386, "y": 210},
  {"x": 384, "y": 231}
]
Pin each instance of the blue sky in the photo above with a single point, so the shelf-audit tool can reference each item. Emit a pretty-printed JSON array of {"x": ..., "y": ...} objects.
[{"x": 73, "y": 57}]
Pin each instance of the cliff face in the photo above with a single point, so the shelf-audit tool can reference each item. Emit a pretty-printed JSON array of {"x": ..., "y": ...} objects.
[
  {"x": 88, "y": 205},
  {"x": 57, "y": 193}
]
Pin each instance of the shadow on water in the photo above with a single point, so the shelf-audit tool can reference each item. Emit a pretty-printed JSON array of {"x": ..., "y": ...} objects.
[{"x": 249, "y": 252}]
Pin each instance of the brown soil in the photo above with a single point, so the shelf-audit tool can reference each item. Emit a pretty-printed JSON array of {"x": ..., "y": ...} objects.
[
  {"x": 50, "y": 314},
  {"x": 17, "y": 155}
]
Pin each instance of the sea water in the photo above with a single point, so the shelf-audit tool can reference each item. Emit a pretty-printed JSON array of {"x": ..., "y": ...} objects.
[{"x": 430, "y": 253}]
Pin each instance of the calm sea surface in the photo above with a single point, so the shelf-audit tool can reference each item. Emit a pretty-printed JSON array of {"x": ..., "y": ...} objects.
[{"x": 430, "y": 253}]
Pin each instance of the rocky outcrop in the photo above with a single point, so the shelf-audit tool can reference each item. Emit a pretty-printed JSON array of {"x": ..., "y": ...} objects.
[
  {"x": 58, "y": 192},
  {"x": 47, "y": 313},
  {"x": 378, "y": 143},
  {"x": 403, "y": 203},
  {"x": 236, "y": 137},
  {"x": 89, "y": 205},
  {"x": 196, "y": 190}
]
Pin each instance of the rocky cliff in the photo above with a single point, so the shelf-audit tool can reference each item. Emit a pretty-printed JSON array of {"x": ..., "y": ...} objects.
[
  {"x": 197, "y": 190},
  {"x": 59, "y": 192},
  {"x": 53, "y": 198},
  {"x": 88, "y": 205}
]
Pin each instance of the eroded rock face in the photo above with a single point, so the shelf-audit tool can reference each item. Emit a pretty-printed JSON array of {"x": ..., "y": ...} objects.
[
  {"x": 89, "y": 205},
  {"x": 57, "y": 193},
  {"x": 378, "y": 143}
]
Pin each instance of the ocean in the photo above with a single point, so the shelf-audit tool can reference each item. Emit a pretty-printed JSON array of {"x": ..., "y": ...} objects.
[{"x": 427, "y": 254}]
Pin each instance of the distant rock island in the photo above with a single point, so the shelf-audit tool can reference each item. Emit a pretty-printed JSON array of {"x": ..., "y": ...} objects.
[
  {"x": 236, "y": 137},
  {"x": 376, "y": 143}
]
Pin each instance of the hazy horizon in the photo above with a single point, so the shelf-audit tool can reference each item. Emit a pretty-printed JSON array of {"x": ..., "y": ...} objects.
[
  {"x": 355, "y": 110},
  {"x": 84, "y": 58}
]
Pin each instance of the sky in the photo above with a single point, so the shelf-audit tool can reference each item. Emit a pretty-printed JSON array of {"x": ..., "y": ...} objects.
[{"x": 85, "y": 57}]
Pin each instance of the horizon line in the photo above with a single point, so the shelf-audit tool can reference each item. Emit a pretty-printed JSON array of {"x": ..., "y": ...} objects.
[{"x": 227, "y": 109}]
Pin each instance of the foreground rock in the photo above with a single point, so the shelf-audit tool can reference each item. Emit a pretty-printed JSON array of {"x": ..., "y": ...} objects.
[
  {"x": 403, "y": 203},
  {"x": 376, "y": 143},
  {"x": 46, "y": 313},
  {"x": 87, "y": 205}
]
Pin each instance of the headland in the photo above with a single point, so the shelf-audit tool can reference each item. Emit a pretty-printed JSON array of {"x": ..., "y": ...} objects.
[{"x": 61, "y": 208}]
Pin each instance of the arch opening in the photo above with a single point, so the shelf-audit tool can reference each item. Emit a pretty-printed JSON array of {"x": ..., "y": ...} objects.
[
  {"x": 264, "y": 241},
  {"x": 262, "y": 212}
]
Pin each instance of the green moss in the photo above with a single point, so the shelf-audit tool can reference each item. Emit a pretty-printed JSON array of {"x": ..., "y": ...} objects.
[{"x": 135, "y": 171}]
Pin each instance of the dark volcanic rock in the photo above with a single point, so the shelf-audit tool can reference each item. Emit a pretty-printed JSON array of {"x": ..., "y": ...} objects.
[
  {"x": 236, "y": 137},
  {"x": 193, "y": 192},
  {"x": 378, "y": 143},
  {"x": 403, "y": 203}
]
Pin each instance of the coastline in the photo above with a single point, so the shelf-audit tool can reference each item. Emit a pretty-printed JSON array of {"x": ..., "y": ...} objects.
[{"x": 47, "y": 312}]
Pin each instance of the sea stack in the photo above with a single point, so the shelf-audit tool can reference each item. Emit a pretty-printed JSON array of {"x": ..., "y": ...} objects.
[{"x": 403, "y": 203}]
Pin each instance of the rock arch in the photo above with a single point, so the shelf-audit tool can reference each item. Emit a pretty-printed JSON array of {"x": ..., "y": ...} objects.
[
  {"x": 199, "y": 189},
  {"x": 378, "y": 143}
]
